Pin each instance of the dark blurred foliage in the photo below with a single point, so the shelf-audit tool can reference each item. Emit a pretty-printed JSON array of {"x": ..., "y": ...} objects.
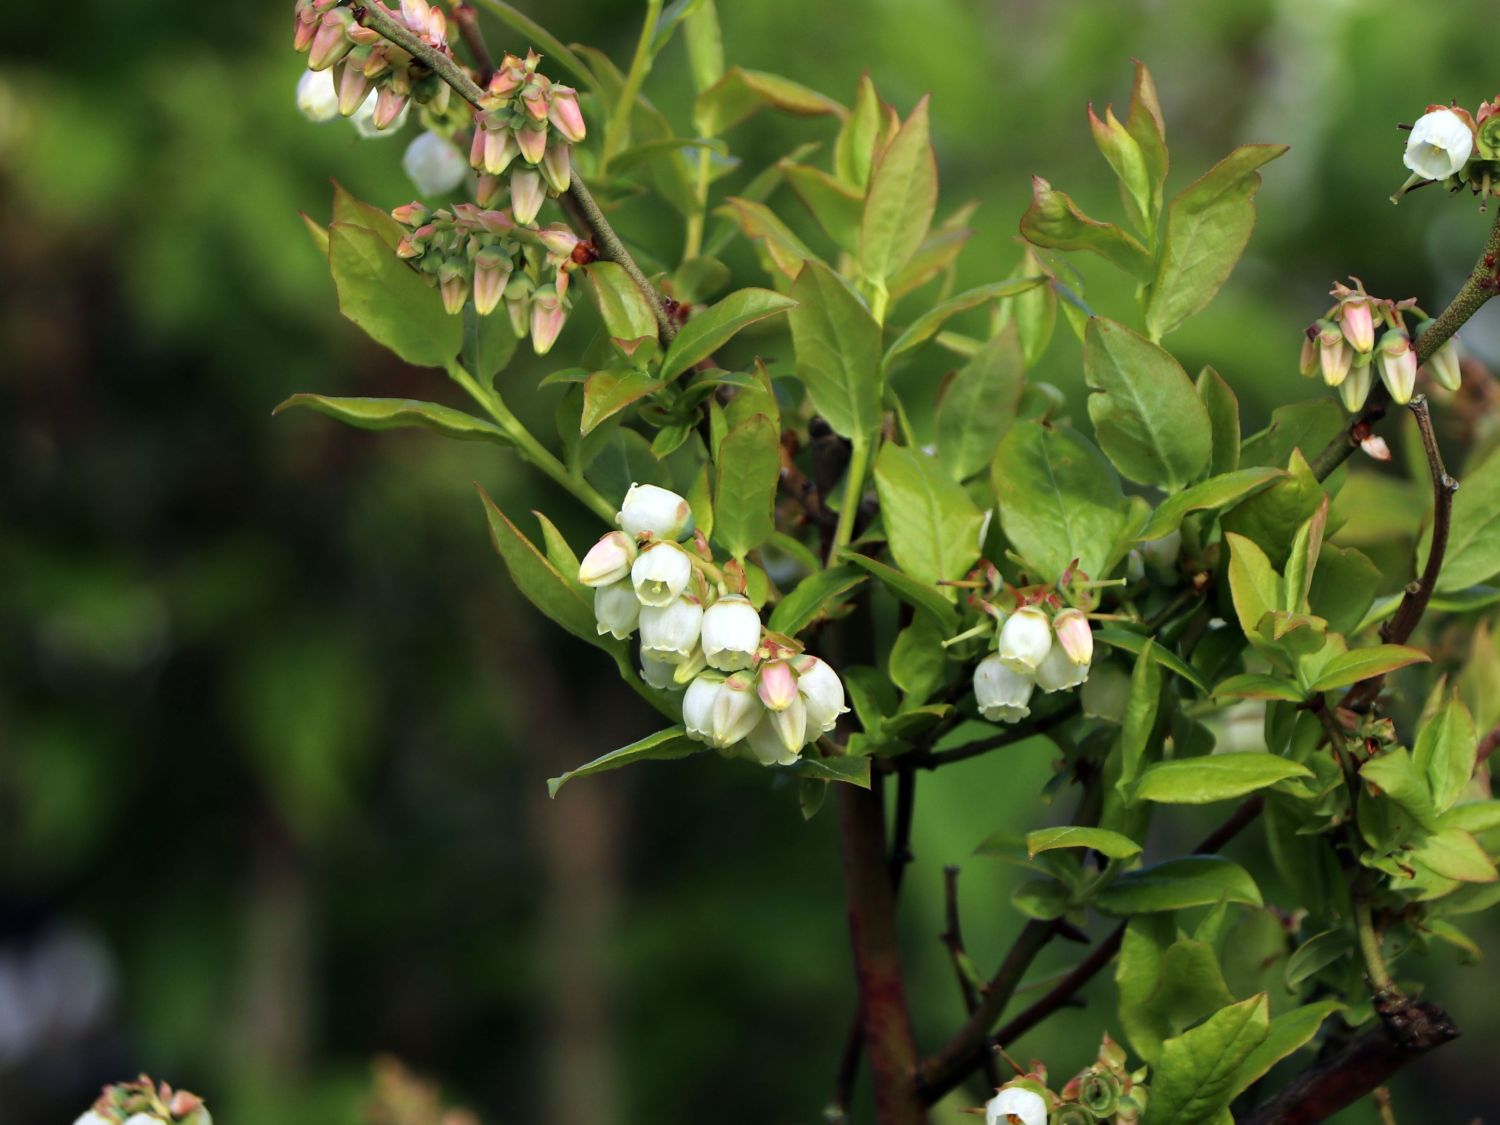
[{"x": 273, "y": 725}]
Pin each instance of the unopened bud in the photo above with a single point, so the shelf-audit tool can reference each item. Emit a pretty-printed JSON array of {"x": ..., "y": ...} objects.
[
  {"x": 1308, "y": 363},
  {"x": 414, "y": 14},
  {"x": 354, "y": 88},
  {"x": 1357, "y": 323},
  {"x": 608, "y": 561},
  {"x": 390, "y": 107},
  {"x": 1002, "y": 693},
  {"x": 661, "y": 573},
  {"x": 548, "y": 315},
  {"x": 317, "y": 97},
  {"x": 564, "y": 114},
  {"x": 526, "y": 196},
  {"x": 670, "y": 632},
  {"x": 1375, "y": 447},
  {"x": 331, "y": 41},
  {"x": 499, "y": 150},
  {"x": 532, "y": 143},
  {"x": 488, "y": 189},
  {"x": 558, "y": 240},
  {"x": 557, "y": 166},
  {"x": 1334, "y": 353},
  {"x": 659, "y": 512},
  {"x": 412, "y": 214},
  {"x": 1445, "y": 363},
  {"x": 1075, "y": 635},
  {"x": 1398, "y": 365},
  {"x": 1356, "y": 387},
  {"x": 777, "y": 685},
  {"x": 454, "y": 287},
  {"x": 1025, "y": 639},
  {"x": 491, "y": 271}
]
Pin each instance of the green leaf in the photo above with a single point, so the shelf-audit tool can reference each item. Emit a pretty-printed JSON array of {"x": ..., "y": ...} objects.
[
  {"x": 1258, "y": 685},
  {"x": 853, "y": 770},
  {"x": 836, "y": 206},
  {"x": 399, "y": 413},
  {"x": 357, "y": 213},
  {"x": 1148, "y": 418},
  {"x": 1208, "y": 225},
  {"x": 1272, "y": 516},
  {"x": 808, "y": 599},
  {"x": 1213, "y": 493},
  {"x": 1123, "y": 152},
  {"x": 916, "y": 594},
  {"x": 627, "y": 316},
  {"x": 558, "y": 596},
  {"x": 1362, "y": 663},
  {"x": 715, "y": 326},
  {"x": 1343, "y": 587},
  {"x": 1054, "y": 222},
  {"x": 559, "y": 554},
  {"x": 1218, "y": 777},
  {"x": 1254, "y": 585},
  {"x": 1060, "y": 500},
  {"x": 900, "y": 199},
  {"x": 1138, "y": 726},
  {"x": 1397, "y": 778},
  {"x": 1305, "y": 426},
  {"x": 1136, "y": 644},
  {"x": 979, "y": 406},
  {"x": 1473, "y": 554},
  {"x": 1107, "y": 843},
  {"x": 1195, "y": 880},
  {"x": 1165, "y": 985},
  {"x": 489, "y": 344},
  {"x": 705, "y": 44},
  {"x": 663, "y": 746},
  {"x": 385, "y": 297},
  {"x": 1316, "y": 954},
  {"x": 918, "y": 662},
  {"x": 854, "y": 150},
  {"x": 1455, "y": 854},
  {"x": 1195, "y": 1078},
  {"x": 837, "y": 344},
  {"x": 741, "y": 94},
  {"x": 926, "y": 326},
  {"x": 1224, "y": 421},
  {"x": 932, "y": 525},
  {"x": 317, "y": 232},
  {"x": 784, "y": 251},
  {"x": 606, "y": 393},
  {"x": 747, "y": 466},
  {"x": 1446, "y": 750},
  {"x": 1144, "y": 123},
  {"x": 625, "y": 458}
]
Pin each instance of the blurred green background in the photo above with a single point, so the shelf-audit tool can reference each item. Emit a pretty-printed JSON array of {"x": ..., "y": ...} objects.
[{"x": 273, "y": 724}]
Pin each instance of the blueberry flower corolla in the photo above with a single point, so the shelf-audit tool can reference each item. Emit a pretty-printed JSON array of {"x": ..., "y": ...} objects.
[
  {"x": 657, "y": 511},
  {"x": 1016, "y": 1106},
  {"x": 318, "y": 101},
  {"x": 608, "y": 560},
  {"x": 1439, "y": 144},
  {"x": 617, "y": 611},
  {"x": 1002, "y": 693},
  {"x": 731, "y": 633},
  {"x": 434, "y": 165},
  {"x": 1025, "y": 639},
  {"x": 822, "y": 692},
  {"x": 660, "y": 574},
  {"x": 670, "y": 632}
]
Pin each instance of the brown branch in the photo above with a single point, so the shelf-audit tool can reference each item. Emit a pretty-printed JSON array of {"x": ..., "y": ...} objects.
[
  {"x": 952, "y": 938},
  {"x": 906, "y": 803},
  {"x": 1330, "y": 1085},
  {"x": 1419, "y": 592},
  {"x": 445, "y": 67},
  {"x": 871, "y": 902},
  {"x": 1482, "y": 283},
  {"x": 962, "y": 1059},
  {"x": 467, "y": 19}
]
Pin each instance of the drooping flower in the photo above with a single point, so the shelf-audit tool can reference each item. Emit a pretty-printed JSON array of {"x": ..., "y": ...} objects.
[
  {"x": 660, "y": 574},
  {"x": 731, "y": 633},
  {"x": 737, "y": 710},
  {"x": 698, "y": 706},
  {"x": 1024, "y": 639},
  {"x": 317, "y": 97},
  {"x": 1016, "y": 1105},
  {"x": 670, "y": 632},
  {"x": 617, "y": 611},
  {"x": 1398, "y": 365},
  {"x": 1445, "y": 365},
  {"x": 766, "y": 744},
  {"x": 660, "y": 674},
  {"x": 822, "y": 691},
  {"x": 1356, "y": 387},
  {"x": 649, "y": 509},
  {"x": 1334, "y": 353},
  {"x": 434, "y": 164},
  {"x": 1002, "y": 693},
  {"x": 1439, "y": 144},
  {"x": 1357, "y": 322},
  {"x": 1075, "y": 635}
]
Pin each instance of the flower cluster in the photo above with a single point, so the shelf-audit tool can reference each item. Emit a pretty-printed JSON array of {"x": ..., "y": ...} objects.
[
  {"x": 1033, "y": 649},
  {"x": 525, "y": 114},
  {"x": 496, "y": 256},
  {"x": 1343, "y": 347},
  {"x": 747, "y": 691},
  {"x": 1104, "y": 1091},
  {"x": 144, "y": 1102},
  {"x": 361, "y": 61},
  {"x": 1450, "y": 145}
]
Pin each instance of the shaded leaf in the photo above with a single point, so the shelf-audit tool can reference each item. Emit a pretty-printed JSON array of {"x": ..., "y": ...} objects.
[
  {"x": 979, "y": 406},
  {"x": 1195, "y": 880},
  {"x": 1213, "y": 493},
  {"x": 715, "y": 326},
  {"x": 747, "y": 467},
  {"x": 663, "y": 746},
  {"x": 742, "y": 93},
  {"x": 931, "y": 524},
  {"x": 808, "y": 599},
  {"x": 398, "y": 413}
]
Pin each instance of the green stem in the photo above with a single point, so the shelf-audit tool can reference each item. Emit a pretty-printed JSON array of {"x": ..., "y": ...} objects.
[
  {"x": 692, "y": 245},
  {"x": 1369, "y": 940},
  {"x": 530, "y": 449},
  {"x": 619, "y": 118},
  {"x": 854, "y": 488}
]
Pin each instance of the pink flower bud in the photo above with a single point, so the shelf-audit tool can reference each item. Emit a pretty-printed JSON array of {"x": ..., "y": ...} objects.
[
  {"x": 526, "y": 196},
  {"x": 491, "y": 271},
  {"x": 331, "y": 41},
  {"x": 1334, "y": 353},
  {"x": 608, "y": 561},
  {"x": 558, "y": 240},
  {"x": 437, "y": 28},
  {"x": 1075, "y": 635},
  {"x": 412, "y": 214},
  {"x": 389, "y": 106},
  {"x": 1398, "y": 365},
  {"x": 1307, "y": 362},
  {"x": 1445, "y": 363},
  {"x": 303, "y": 32},
  {"x": 548, "y": 315},
  {"x": 557, "y": 166},
  {"x": 507, "y": 80},
  {"x": 778, "y": 685},
  {"x": 564, "y": 114},
  {"x": 454, "y": 287},
  {"x": 414, "y": 14},
  {"x": 499, "y": 150},
  {"x": 534, "y": 101},
  {"x": 532, "y": 143},
  {"x": 1357, "y": 323},
  {"x": 354, "y": 87},
  {"x": 488, "y": 189}
]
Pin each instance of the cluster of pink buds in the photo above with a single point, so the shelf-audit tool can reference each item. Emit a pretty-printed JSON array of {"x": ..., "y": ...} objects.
[
  {"x": 525, "y": 114},
  {"x": 363, "y": 62},
  {"x": 1449, "y": 145},
  {"x": 490, "y": 256},
  {"x": 144, "y": 1102},
  {"x": 747, "y": 691},
  {"x": 1344, "y": 347}
]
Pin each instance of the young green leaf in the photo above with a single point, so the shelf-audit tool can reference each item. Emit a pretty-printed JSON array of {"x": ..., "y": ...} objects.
[
  {"x": 385, "y": 297},
  {"x": 1224, "y": 421},
  {"x": 1136, "y": 644},
  {"x": 627, "y": 317},
  {"x": 606, "y": 393},
  {"x": 979, "y": 406},
  {"x": 705, "y": 44},
  {"x": 1446, "y": 750},
  {"x": 1111, "y": 844},
  {"x": 663, "y": 746},
  {"x": 926, "y": 326},
  {"x": 1208, "y": 225},
  {"x": 919, "y": 595},
  {"x": 741, "y": 94},
  {"x": 1394, "y": 776},
  {"x": 1060, "y": 500},
  {"x": 900, "y": 199},
  {"x": 836, "y": 206},
  {"x": 747, "y": 466},
  {"x": 1144, "y": 123},
  {"x": 783, "y": 251},
  {"x": 1054, "y": 222},
  {"x": 1165, "y": 985},
  {"x": 1195, "y": 880},
  {"x": 1195, "y": 1078},
  {"x": 1254, "y": 586},
  {"x": 853, "y": 770},
  {"x": 932, "y": 525},
  {"x": 1259, "y": 685},
  {"x": 1271, "y": 516},
  {"x": 1138, "y": 728},
  {"x": 1211, "y": 494},
  {"x": 715, "y": 326},
  {"x": 1123, "y": 152},
  {"x": 1218, "y": 777},
  {"x": 854, "y": 150},
  {"x": 810, "y": 597},
  {"x": 837, "y": 344},
  {"x": 1455, "y": 854},
  {"x": 1316, "y": 954},
  {"x": 397, "y": 413},
  {"x": 918, "y": 662},
  {"x": 1148, "y": 418},
  {"x": 1362, "y": 663}
]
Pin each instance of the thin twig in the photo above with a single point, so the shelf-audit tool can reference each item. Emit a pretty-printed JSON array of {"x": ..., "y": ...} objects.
[
  {"x": 1414, "y": 603},
  {"x": 467, "y": 19},
  {"x": 934, "y": 759},
  {"x": 953, "y": 939},
  {"x": 906, "y": 803},
  {"x": 1382, "y": 1098},
  {"x": 605, "y": 239}
]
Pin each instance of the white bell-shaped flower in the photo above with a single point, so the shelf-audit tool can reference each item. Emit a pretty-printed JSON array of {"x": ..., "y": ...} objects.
[
  {"x": 822, "y": 692},
  {"x": 737, "y": 710},
  {"x": 617, "y": 611},
  {"x": 143, "y": 1119},
  {"x": 659, "y": 674},
  {"x": 698, "y": 706},
  {"x": 731, "y": 633},
  {"x": 318, "y": 101},
  {"x": 766, "y": 744},
  {"x": 434, "y": 164},
  {"x": 1058, "y": 672},
  {"x": 670, "y": 632},
  {"x": 1439, "y": 144},
  {"x": 659, "y": 511},
  {"x": 1002, "y": 693},
  {"x": 608, "y": 560},
  {"x": 93, "y": 1117},
  {"x": 1015, "y": 1105},
  {"x": 1025, "y": 639},
  {"x": 660, "y": 574}
]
